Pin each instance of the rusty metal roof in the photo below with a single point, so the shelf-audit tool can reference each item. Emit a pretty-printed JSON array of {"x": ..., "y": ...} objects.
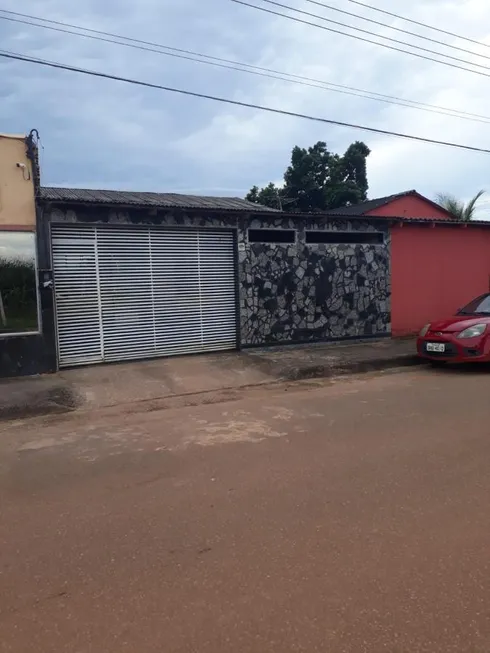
[{"x": 153, "y": 200}]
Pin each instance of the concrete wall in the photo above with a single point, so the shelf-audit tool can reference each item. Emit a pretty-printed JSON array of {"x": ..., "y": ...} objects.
[
  {"x": 435, "y": 271},
  {"x": 17, "y": 206}
]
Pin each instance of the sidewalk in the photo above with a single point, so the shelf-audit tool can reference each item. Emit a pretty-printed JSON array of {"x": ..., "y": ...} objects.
[
  {"x": 320, "y": 360},
  {"x": 125, "y": 384}
]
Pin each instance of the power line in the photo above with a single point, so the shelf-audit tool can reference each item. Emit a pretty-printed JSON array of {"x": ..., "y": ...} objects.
[
  {"x": 229, "y": 64},
  {"x": 416, "y": 22},
  {"x": 379, "y": 36},
  {"x": 360, "y": 38},
  {"x": 397, "y": 29},
  {"x": 314, "y": 2},
  {"x": 248, "y": 105},
  {"x": 300, "y": 11}
]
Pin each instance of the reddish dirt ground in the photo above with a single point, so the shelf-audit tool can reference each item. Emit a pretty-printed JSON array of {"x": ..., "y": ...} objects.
[{"x": 340, "y": 517}]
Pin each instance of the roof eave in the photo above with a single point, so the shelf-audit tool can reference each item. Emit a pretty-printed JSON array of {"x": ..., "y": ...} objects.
[{"x": 152, "y": 207}]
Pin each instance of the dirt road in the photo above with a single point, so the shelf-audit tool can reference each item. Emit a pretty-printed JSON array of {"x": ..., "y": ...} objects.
[{"x": 340, "y": 518}]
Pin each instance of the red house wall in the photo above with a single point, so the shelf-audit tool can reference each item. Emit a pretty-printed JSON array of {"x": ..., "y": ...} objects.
[
  {"x": 410, "y": 206},
  {"x": 434, "y": 271}
]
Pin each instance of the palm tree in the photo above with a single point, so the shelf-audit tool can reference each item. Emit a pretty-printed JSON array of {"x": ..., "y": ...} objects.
[{"x": 462, "y": 212}]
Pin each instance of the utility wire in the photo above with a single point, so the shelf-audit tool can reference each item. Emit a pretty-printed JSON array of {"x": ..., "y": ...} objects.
[
  {"x": 305, "y": 13},
  {"x": 370, "y": 33},
  {"x": 314, "y": 2},
  {"x": 360, "y": 38},
  {"x": 229, "y": 64},
  {"x": 416, "y": 22},
  {"x": 248, "y": 105},
  {"x": 397, "y": 29}
]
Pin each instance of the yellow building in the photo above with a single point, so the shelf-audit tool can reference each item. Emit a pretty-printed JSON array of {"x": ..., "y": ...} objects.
[
  {"x": 17, "y": 195},
  {"x": 19, "y": 313}
]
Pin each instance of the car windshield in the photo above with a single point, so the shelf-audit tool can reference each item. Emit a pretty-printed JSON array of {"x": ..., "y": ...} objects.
[{"x": 479, "y": 306}]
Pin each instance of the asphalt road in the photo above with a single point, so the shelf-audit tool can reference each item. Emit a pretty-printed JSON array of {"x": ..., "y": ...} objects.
[{"x": 341, "y": 518}]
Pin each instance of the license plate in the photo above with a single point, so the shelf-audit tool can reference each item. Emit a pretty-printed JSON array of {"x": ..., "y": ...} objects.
[{"x": 439, "y": 347}]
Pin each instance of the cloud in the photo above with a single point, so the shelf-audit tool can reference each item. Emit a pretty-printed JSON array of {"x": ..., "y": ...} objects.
[
  {"x": 101, "y": 133},
  {"x": 18, "y": 246}
]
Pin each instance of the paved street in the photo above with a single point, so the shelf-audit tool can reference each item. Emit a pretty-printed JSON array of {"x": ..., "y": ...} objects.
[{"x": 341, "y": 517}]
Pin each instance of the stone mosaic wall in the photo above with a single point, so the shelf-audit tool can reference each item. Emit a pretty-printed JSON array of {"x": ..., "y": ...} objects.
[
  {"x": 290, "y": 292},
  {"x": 302, "y": 292}
]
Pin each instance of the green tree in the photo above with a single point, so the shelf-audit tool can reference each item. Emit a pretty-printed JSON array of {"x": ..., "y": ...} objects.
[
  {"x": 271, "y": 196},
  {"x": 462, "y": 212},
  {"x": 318, "y": 180}
]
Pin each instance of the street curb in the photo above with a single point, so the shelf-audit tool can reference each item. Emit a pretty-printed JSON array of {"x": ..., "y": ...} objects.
[
  {"x": 40, "y": 396},
  {"x": 345, "y": 368}
]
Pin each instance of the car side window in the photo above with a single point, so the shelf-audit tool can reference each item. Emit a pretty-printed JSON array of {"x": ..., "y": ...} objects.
[{"x": 484, "y": 306}]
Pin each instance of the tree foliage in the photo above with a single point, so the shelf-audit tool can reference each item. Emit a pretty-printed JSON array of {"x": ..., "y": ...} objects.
[
  {"x": 269, "y": 196},
  {"x": 462, "y": 212},
  {"x": 318, "y": 180}
]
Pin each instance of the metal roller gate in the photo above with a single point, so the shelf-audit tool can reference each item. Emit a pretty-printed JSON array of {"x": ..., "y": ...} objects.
[{"x": 129, "y": 293}]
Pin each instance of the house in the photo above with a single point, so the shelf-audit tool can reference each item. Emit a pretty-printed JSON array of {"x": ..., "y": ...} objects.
[
  {"x": 408, "y": 204},
  {"x": 437, "y": 264},
  {"x": 139, "y": 275},
  {"x": 94, "y": 276}
]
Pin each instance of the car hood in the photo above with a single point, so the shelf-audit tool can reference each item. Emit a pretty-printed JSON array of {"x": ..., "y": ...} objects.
[{"x": 458, "y": 323}]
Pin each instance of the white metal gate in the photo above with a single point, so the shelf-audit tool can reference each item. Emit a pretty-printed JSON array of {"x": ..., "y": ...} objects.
[{"x": 128, "y": 293}]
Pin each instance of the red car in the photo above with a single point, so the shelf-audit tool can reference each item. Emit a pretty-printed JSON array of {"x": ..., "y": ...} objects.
[{"x": 462, "y": 338}]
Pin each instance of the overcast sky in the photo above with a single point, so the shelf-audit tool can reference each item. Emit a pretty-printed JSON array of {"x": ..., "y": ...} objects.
[
  {"x": 18, "y": 246},
  {"x": 100, "y": 133}
]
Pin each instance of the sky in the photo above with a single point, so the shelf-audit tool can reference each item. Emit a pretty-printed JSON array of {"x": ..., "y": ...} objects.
[
  {"x": 18, "y": 246},
  {"x": 97, "y": 133}
]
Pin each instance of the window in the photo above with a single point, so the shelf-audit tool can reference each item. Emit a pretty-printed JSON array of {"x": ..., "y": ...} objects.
[
  {"x": 479, "y": 306},
  {"x": 345, "y": 237},
  {"x": 18, "y": 283},
  {"x": 271, "y": 235}
]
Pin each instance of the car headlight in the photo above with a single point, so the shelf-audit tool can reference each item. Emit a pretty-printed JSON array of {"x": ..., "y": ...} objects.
[
  {"x": 424, "y": 330},
  {"x": 473, "y": 331}
]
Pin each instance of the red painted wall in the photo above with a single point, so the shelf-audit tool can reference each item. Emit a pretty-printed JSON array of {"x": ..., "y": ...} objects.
[
  {"x": 410, "y": 206},
  {"x": 434, "y": 271}
]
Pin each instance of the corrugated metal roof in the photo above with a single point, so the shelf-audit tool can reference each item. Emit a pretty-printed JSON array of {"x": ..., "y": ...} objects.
[
  {"x": 389, "y": 219},
  {"x": 155, "y": 200},
  {"x": 173, "y": 200},
  {"x": 437, "y": 221},
  {"x": 425, "y": 222}
]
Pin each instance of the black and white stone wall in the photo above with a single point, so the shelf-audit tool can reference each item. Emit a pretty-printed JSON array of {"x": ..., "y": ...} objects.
[
  {"x": 299, "y": 292},
  {"x": 287, "y": 292}
]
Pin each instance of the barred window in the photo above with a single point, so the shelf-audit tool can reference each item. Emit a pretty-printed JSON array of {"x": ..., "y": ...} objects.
[
  {"x": 271, "y": 235},
  {"x": 344, "y": 237}
]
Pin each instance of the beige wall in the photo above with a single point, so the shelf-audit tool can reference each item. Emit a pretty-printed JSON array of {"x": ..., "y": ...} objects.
[{"x": 17, "y": 205}]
